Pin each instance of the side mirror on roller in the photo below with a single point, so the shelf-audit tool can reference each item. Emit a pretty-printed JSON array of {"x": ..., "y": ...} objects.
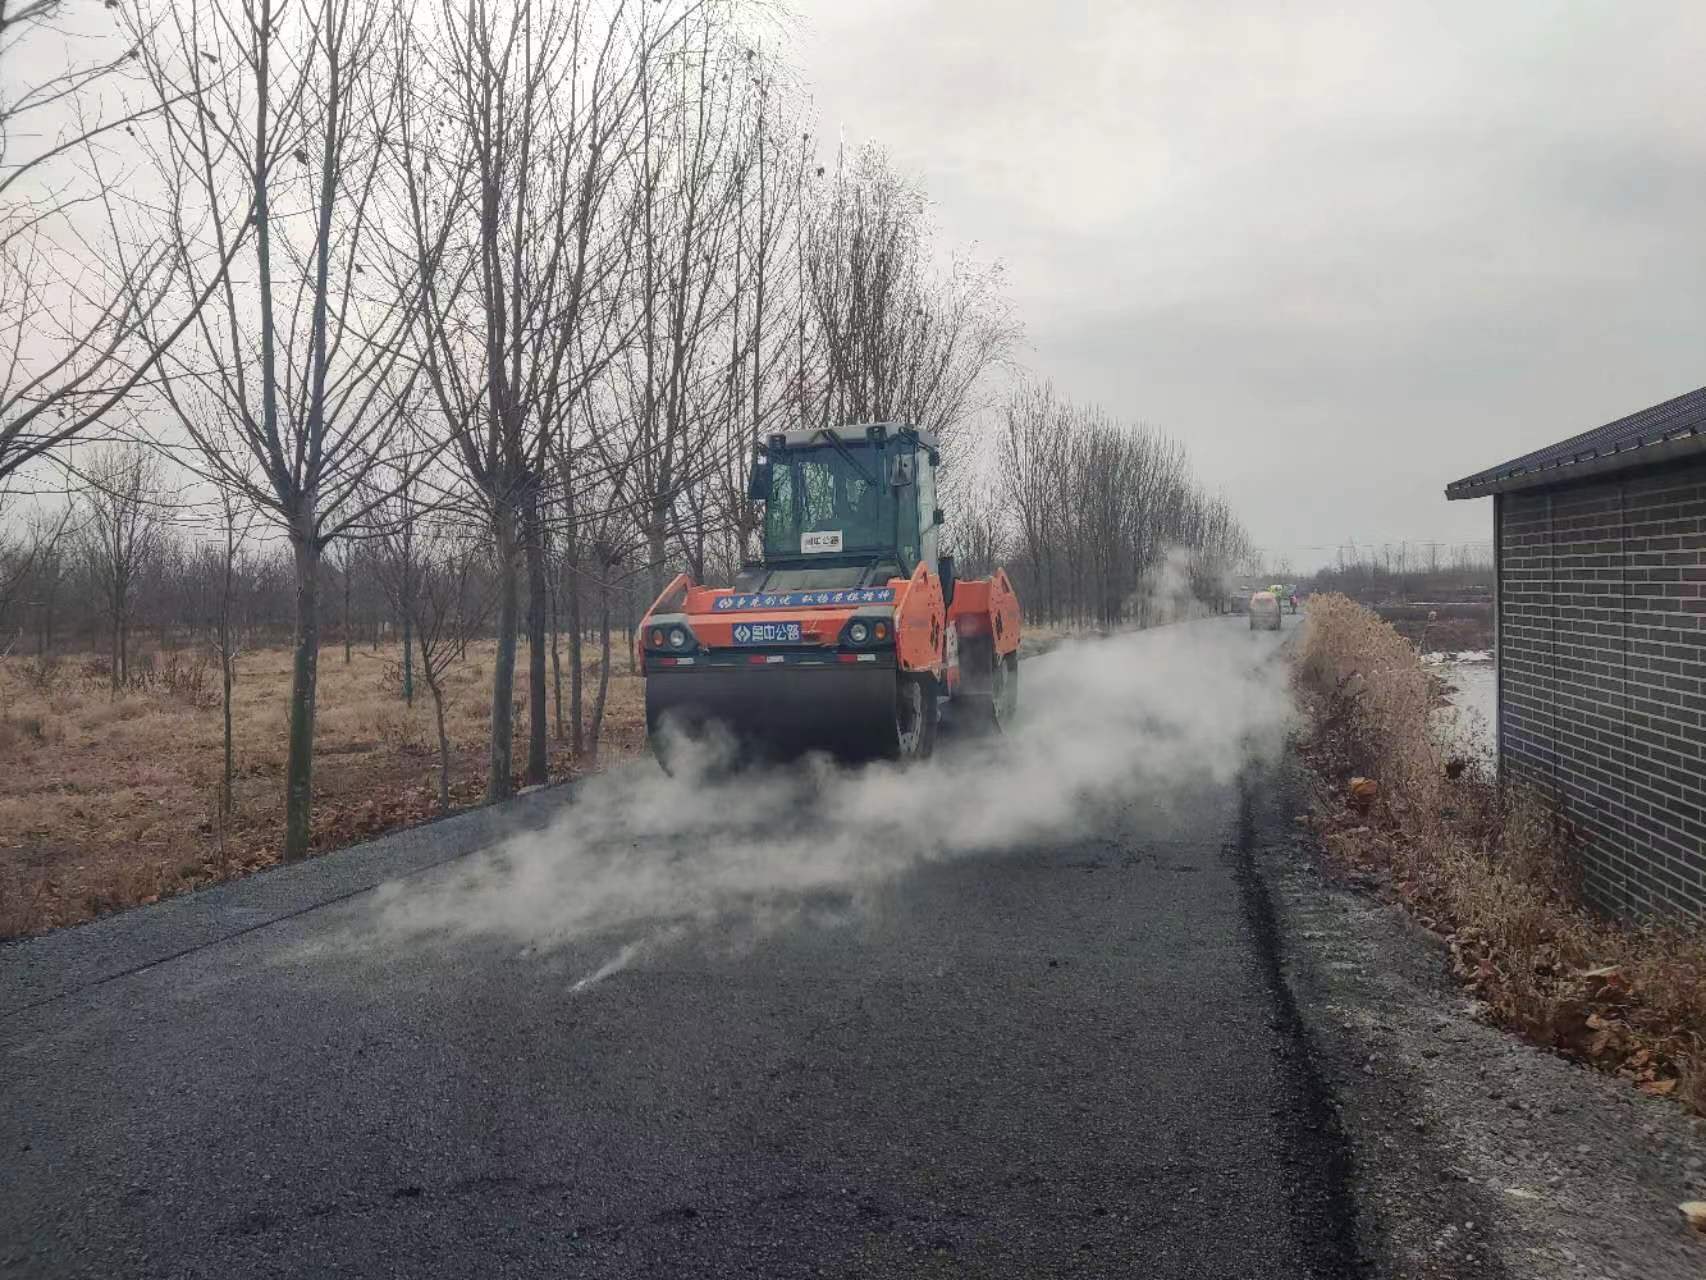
[
  {"x": 945, "y": 571},
  {"x": 758, "y": 480}
]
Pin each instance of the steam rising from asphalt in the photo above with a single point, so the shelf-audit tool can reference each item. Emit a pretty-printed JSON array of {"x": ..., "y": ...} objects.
[{"x": 1141, "y": 718}]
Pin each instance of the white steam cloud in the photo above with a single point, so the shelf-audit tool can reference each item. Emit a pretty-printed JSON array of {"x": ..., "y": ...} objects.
[{"x": 1140, "y": 716}]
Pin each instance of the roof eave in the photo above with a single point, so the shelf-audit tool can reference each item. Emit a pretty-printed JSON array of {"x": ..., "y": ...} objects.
[{"x": 1564, "y": 472}]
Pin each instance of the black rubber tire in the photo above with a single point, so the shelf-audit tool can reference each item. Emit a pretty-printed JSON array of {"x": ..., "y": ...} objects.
[
  {"x": 1006, "y": 700},
  {"x": 992, "y": 712},
  {"x": 915, "y": 718}
]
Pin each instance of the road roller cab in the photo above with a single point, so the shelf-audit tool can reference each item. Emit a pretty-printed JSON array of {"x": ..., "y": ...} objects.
[{"x": 852, "y": 629}]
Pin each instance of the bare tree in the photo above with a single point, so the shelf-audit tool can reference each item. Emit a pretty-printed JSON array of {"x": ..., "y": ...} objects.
[
  {"x": 1104, "y": 513},
  {"x": 1030, "y": 446},
  {"x": 89, "y": 298},
  {"x": 343, "y": 555},
  {"x": 122, "y": 535},
  {"x": 453, "y": 597},
  {"x": 237, "y": 520},
  {"x": 687, "y": 188},
  {"x": 765, "y": 306},
  {"x": 901, "y": 341},
  {"x": 33, "y": 566},
  {"x": 294, "y": 388},
  {"x": 395, "y": 515},
  {"x": 511, "y": 147}
]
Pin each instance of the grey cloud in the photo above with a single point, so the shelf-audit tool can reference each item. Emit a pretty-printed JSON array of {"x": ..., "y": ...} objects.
[{"x": 1355, "y": 250}]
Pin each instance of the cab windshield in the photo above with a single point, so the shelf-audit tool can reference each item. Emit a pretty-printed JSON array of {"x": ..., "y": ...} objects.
[{"x": 823, "y": 503}]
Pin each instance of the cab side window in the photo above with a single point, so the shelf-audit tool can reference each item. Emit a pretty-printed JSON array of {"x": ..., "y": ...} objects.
[{"x": 926, "y": 490}]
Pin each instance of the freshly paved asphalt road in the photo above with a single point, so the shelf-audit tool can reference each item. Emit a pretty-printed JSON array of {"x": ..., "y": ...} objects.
[{"x": 1068, "y": 1058}]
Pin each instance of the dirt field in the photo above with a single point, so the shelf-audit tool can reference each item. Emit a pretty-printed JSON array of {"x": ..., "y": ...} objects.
[
  {"x": 1445, "y": 627},
  {"x": 106, "y": 802}
]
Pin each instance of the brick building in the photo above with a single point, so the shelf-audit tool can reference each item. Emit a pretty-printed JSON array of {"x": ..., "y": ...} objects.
[{"x": 1600, "y": 632}]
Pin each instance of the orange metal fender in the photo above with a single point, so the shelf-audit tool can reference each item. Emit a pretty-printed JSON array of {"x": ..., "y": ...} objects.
[
  {"x": 988, "y": 607},
  {"x": 920, "y": 624}
]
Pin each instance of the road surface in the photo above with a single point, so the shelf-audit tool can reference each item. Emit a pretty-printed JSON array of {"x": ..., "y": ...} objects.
[{"x": 1048, "y": 1039}]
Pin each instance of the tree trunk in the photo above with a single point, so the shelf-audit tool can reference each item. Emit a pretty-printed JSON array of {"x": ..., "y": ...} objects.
[
  {"x": 538, "y": 767},
  {"x": 299, "y": 769},
  {"x": 577, "y": 666},
  {"x": 499, "y": 784},
  {"x": 604, "y": 662},
  {"x": 443, "y": 743},
  {"x": 631, "y": 610},
  {"x": 225, "y": 690},
  {"x": 408, "y": 649},
  {"x": 348, "y": 566},
  {"x": 558, "y": 728},
  {"x": 656, "y": 552},
  {"x": 230, "y": 763}
]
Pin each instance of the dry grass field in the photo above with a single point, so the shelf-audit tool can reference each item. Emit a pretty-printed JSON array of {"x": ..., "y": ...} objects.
[{"x": 109, "y": 801}]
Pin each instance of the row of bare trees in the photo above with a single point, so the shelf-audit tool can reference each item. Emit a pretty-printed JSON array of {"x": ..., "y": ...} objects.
[
  {"x": 1098, "y": 520},
  {"x": 112, "y": 574},
  {"x": 476, "y": 307},
  {"x": 1391, "y": 571}
]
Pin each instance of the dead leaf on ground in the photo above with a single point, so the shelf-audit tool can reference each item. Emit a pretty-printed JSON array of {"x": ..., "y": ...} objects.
[
  {"x": 1657, "y": 1088},
  {"x": 1694, "y": 1213}
]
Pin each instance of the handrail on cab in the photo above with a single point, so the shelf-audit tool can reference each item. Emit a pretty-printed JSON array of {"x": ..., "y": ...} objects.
[{"x": 673, "y": 597}]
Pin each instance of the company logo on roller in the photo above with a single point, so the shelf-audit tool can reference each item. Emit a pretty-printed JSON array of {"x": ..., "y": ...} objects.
[
  {"x": 797, "y": 599},
  {"x": 767, "y": 633}
]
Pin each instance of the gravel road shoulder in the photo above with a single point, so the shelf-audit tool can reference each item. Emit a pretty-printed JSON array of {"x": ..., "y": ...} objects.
[{"x": 1535, "y": 1166}]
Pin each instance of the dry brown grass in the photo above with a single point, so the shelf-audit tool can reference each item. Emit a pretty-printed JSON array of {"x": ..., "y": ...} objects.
[
  {"x": 1490, "y": 873},
  {"x": 107, "y": 802}
]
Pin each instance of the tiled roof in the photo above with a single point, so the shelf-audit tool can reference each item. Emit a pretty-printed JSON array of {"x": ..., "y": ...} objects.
[{"x": 1628, "y": 438}]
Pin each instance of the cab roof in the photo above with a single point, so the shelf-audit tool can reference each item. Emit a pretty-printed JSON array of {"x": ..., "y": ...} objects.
[{"x": 851, "y": 433}]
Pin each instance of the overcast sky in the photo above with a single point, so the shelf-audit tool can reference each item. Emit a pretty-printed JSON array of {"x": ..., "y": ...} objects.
[{"x": 1348, "y": 252}]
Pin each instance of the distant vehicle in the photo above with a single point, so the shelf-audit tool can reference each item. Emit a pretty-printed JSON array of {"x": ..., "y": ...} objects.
[{"x": 1264, "y": 611}]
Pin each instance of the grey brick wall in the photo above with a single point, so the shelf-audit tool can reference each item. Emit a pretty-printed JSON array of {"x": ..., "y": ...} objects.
[{"x": 1602, "y": 675}]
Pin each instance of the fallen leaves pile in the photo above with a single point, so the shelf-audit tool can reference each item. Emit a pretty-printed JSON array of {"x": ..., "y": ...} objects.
[
  {"x": 1536, "y": 963},
  {"x": 1488, "y": 872},
  {"x": 336, "y": 827}
]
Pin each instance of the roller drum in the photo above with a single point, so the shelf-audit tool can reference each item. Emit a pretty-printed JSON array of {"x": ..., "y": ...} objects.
[{"x": 847, "y": 710}]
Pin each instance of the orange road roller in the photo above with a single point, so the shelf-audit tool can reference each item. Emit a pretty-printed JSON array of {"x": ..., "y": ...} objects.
[{"x": 851, "y": 632}]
